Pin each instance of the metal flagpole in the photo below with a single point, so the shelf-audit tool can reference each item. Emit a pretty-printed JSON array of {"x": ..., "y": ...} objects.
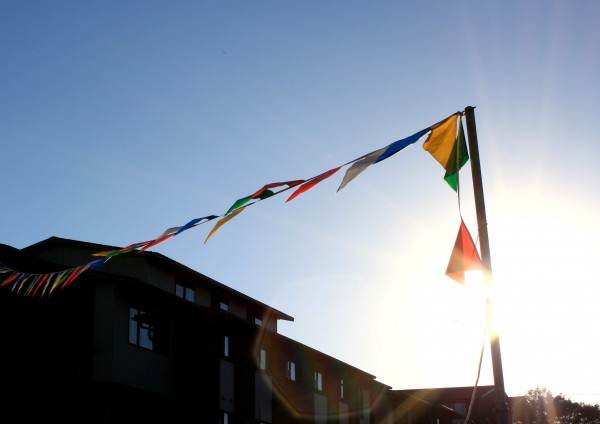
[{"x": 502, "y": 410}]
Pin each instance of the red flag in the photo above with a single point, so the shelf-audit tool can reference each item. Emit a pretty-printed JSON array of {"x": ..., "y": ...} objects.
[
  {"x": 464, "y": 256},
  {"x": 313, "y": 182}
]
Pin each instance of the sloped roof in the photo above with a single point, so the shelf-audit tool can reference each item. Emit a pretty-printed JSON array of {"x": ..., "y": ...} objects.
[{"x": 154, "y": 257}]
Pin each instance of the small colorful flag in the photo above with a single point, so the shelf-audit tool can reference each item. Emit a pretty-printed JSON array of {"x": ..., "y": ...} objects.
[
  {"x": 359, "y": 166},
  {"x": 448, "y": 147},
  {"x": 223, "y": 221},
  {"x": 311, "y": 183},
  {"x": 441, "y": 140},
  {"x": 458, "y": 158},
  {"x": 396, "y": 146},
  {"x": 464, "y": 256},
  {"x": 194, "y": 222}
]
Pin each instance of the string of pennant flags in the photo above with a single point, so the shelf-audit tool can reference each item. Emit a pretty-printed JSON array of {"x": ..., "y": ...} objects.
[{"x": 445, "y": 142}]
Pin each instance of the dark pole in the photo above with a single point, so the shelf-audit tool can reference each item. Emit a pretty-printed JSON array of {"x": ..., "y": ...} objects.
[{"x": 501, "y": 405}]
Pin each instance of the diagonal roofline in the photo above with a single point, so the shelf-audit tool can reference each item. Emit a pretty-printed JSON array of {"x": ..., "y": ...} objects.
[{"x": 157, "y": 258}]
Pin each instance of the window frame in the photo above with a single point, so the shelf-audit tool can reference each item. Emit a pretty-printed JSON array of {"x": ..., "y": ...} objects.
[
  {"x": 224, "y": 418},
  {"x": 188, "y": 292},
  {"x": 318, "y": 381},
  {"x": 262, "y": 359},
  {"x": 290, "y": 371},
  {"x": 147, "y": 330},
  {"x": 226, "y": 351}
]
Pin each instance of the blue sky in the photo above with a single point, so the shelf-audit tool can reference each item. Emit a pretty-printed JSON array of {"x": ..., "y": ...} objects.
[{"x": 122, "y": 119}]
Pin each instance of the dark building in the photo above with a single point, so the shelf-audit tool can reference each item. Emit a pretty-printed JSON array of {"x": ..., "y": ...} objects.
[{"x": 144, "y": 339}]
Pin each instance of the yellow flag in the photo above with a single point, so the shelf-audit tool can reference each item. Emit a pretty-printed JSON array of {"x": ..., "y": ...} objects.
[
  {"x": 441, "y": 140},
  {"x": 224, "y": 221}
]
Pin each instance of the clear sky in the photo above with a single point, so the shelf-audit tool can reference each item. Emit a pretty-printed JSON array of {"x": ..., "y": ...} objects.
[{"x": 119, "y": 120}]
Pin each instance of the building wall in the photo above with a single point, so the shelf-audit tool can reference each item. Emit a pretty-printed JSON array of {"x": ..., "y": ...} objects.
[{"x": 73, "y": 356}]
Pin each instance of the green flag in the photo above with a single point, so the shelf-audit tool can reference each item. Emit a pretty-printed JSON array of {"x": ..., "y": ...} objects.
[{"x": 457, "y": 159}]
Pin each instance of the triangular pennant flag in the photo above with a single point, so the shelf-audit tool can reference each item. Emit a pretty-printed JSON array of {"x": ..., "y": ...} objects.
[
  {"x": 359, "y": 166},
  {"x": 458, "y": 158},
  {"x": 195, "y": 222},
  {"x": 464, "y": 256},
  {"x": 265, "y": 194},
  {"x": 396, "y": 146},
  {"x": 97, "y": 263},
  {"x": 11, "y": 278},
  {"x": 155, "y": 242},
  {"x": 260, "y": 194},
  {"x": 238, "y": 203},
  {"x": 441, "y": 140},
  {"x": 223, "y": 221},
  {"x": 41, "y": 283},
  {"x": 311, "y": 183},
  {"x": 19, "y": 283},
  {"x": 172, "y": 230},
  {"x": 59, "y": 279},
  {"x": 127, "y": 249}
]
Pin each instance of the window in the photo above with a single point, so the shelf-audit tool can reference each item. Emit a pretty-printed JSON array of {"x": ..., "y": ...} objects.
[
  {"x": 224, "y": 419},
  {"x": 262, "y": 360},
  {"x": 342, "y": 388},
  {"x": 146, "y": 330},
  {"x": 291, "y": 370},
  {"x": 318, "y": 381},
  {"x": 223, "y": 305},
  {"x": 185, "y": 292},
  {"x": 226, "y": 346},
  {"x": 255, "y": 316},
  {"x": 460, "y": 407}
]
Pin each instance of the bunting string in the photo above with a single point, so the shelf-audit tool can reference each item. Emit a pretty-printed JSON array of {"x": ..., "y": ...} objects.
[
  {"x": 445, "y": 142},
  {"x": 31, "y": 284}
]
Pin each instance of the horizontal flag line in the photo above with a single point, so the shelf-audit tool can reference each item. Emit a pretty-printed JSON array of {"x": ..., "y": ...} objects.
[{"x": 444, "y": 143}]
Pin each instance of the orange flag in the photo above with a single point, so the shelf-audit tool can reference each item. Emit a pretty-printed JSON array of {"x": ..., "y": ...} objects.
[
  {"x": 441, "y": 140},
  {"x": 464, "y": 256}
]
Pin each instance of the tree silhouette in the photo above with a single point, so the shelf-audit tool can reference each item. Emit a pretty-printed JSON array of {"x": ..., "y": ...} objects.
[{"x": 540, "y": 406}]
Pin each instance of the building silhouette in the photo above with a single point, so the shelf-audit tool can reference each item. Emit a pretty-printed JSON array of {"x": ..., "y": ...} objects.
[{"x": 146, "y": 339}]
